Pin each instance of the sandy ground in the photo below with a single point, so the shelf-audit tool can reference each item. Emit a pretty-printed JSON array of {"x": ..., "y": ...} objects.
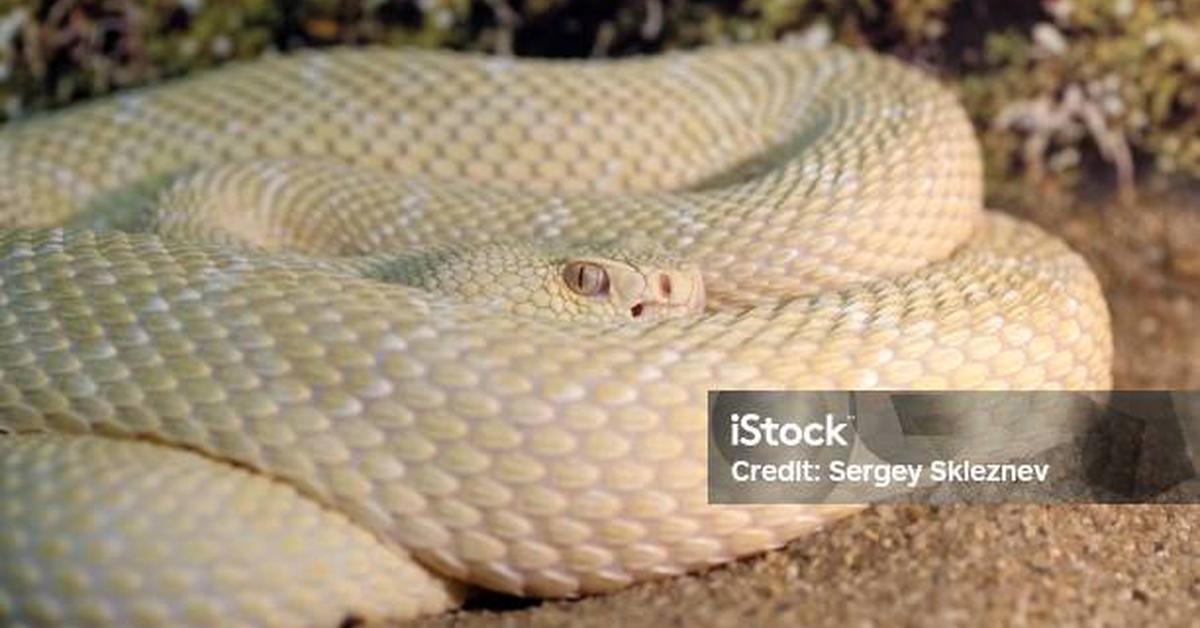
[{"x": 989, "y": 565}]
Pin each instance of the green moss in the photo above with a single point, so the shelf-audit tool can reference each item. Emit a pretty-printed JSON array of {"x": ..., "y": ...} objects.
[
  {"x": 1055, "y": 88},
  {"x": 1113, "y": 81}
]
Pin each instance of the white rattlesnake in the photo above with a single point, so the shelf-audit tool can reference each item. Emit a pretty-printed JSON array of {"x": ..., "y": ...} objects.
[{"x": 205, "y": 431}]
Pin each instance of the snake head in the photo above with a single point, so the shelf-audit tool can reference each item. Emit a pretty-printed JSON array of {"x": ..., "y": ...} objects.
[
  {"x": 631, "y": 286},
  {"x": 594, "y": 283}
]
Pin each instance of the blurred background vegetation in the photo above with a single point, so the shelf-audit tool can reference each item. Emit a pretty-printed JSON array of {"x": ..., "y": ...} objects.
[{"x": 1064, "y": 92}]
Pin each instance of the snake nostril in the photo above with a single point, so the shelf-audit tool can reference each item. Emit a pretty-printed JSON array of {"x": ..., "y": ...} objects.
[
  {"x": 636, "y": 310},
  {"x": 664, "y": 285}
]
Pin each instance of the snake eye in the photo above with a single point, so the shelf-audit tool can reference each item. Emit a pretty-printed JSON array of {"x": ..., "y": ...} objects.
[{"x": 586, "y": 278}]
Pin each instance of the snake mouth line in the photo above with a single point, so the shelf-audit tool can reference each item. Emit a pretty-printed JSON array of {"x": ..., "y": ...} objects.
[{"x": 649, "y": 311}]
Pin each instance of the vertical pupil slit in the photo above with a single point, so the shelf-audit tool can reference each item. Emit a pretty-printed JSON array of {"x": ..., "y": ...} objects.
[{"x": 664, "y": 284}]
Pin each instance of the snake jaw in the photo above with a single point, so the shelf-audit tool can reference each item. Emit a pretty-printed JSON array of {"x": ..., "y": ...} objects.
[{"x": 668, "y": 294}]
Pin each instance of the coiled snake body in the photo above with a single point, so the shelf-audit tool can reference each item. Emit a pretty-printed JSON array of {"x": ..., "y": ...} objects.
[{"x": 202, "y": 428}]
